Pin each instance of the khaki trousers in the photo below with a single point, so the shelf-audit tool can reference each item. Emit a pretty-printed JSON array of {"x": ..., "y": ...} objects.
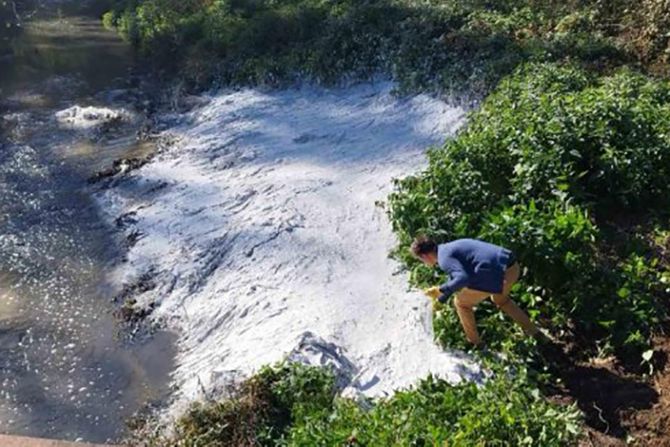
[{"x": 466, "y": 299}]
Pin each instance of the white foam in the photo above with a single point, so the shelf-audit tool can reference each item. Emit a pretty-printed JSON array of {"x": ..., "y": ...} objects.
[
  {"x": 87, "y": 118},
  {"x": 261, "y": 226}
]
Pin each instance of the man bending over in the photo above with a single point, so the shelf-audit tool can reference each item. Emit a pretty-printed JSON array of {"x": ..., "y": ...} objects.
[{"x": 476, "y": 271}]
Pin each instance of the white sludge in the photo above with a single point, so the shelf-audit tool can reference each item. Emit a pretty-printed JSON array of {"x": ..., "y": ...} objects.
[{"x": 261, "y": 230}]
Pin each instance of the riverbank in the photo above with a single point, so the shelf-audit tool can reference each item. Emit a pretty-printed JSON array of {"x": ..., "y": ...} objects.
[{"x": 21, "y": 441}]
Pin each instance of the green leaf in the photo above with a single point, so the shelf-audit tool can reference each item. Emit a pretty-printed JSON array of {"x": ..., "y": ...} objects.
[{"x": 623, "y": 292}]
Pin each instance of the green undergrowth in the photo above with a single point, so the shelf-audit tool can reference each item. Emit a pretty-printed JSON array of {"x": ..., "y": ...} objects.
[
  {"x": 446, "y": 45},
  {"x": 296, "y": 405},
  {"x": 570, "y": 170}
]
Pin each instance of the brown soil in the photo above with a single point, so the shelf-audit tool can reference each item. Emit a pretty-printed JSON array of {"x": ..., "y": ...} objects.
[
  {"x": 620, "y": 407},
  {"x": 652, "y": 426}
]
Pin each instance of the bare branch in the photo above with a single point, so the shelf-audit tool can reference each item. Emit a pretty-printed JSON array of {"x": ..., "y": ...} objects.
[
  {"x": 16, "y": 14},
  {"x": 23, "y": 16}
]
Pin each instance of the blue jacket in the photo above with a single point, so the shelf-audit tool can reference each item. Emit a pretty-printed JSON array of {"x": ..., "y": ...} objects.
[{"x": 473, "y": 264}]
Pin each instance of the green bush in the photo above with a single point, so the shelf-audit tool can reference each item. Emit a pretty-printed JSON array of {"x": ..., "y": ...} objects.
[
  {"x": 552, "y": 155},
  {"x": 550, "y": 132},
  {"x": 294, "y": 405},
  {"x": 557, "y": 242},
  {"x": 260, "y": 410},
  {"x": 464, "y": 47},
  {"x": 505, "y": 411}
]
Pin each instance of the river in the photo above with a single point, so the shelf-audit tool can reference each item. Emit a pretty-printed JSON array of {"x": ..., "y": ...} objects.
[{"x": 64, "y": 373}]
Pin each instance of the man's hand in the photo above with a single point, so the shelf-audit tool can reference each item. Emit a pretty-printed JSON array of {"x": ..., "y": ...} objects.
[
  {"x": 433, "y": 292},
  {"x": 436, "y": 294}
]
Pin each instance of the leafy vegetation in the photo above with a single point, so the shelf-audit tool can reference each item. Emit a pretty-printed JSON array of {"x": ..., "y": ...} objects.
[
  {"x": 262, "y": 409},
  {"x": 548, "y": 166},
  {"x": 295, "y": 405},
  {"x": 465, "y": 47},
  {"x": 453, "y": 45}
]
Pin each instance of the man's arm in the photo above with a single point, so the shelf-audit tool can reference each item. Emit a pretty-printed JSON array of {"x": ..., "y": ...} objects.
[{"x": 458, "y": 277}]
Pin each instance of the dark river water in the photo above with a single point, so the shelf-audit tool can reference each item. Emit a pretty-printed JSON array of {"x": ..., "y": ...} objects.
[{"x": 63, "y": 371}]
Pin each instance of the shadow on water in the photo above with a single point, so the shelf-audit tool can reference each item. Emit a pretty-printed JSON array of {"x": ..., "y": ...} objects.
[{"x": 63, "y": 371}]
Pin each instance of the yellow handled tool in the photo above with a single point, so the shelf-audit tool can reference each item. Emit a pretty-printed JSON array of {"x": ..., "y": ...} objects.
[{"x": 432, "y": 292}]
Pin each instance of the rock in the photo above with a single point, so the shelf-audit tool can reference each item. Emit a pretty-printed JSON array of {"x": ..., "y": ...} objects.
[{"x": 121, "y": 166}]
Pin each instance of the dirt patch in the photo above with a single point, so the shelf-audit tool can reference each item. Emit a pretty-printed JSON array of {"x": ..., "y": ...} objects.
[
  {"x": 620, "y": 407},
  {"x": 652, "y": 426},
  {"x": 606, "y": 396}
]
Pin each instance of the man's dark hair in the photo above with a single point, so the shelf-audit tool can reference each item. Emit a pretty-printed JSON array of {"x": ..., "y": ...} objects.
[{"x": 423, "y": 245}]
